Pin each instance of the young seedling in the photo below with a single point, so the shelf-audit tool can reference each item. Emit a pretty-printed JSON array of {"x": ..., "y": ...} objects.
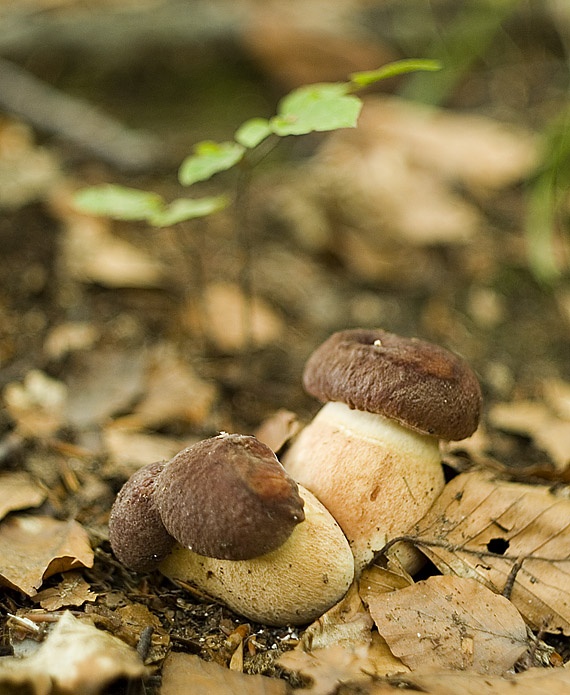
[{"x": 308, "y": 109}]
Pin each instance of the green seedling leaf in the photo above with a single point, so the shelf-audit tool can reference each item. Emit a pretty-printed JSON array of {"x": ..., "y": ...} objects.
[
  {"x": 208, "y": 159},
  {"x": 252, "y": 132},
  {"x": 318, "y": 107},
  {"x": 118, "y": 202},
  {"x": 184, "y": 209},
  {"x": 398, "y": 67}
]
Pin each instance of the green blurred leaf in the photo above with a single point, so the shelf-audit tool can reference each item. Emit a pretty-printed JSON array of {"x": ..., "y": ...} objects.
[
  {"x": 187, "y": 209},
  {"x": 118, "y": 202},
  {"x": 252, "y": 132},
  {"x": 318, "y": 107},
  {"x": 398, "y": 67},
  {"x": 208, "y": 159}
]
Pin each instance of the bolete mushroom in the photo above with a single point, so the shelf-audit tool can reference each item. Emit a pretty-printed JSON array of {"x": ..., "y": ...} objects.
[
  {"x": 371, "y": 454},
  {"x": 225, "y": 516}
]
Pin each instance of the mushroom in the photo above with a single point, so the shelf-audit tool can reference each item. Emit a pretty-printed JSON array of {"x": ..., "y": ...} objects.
[
  {"x": 225, "y": 516},
  {"x": 371, "y": 454}
]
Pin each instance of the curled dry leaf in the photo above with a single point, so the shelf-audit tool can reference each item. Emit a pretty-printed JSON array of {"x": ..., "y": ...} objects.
[
  {"x": 278, "y": 429},
  {"x": 18, "y": 490},
  {"x": 513, "y": 538},
  {"x": 186, "y": 674},
  {"x": 33, "y": 548},
  {"x": 75, "y": 658},
  {"x": 73, "y": 590},
  {"x": 450, "y": 622}
]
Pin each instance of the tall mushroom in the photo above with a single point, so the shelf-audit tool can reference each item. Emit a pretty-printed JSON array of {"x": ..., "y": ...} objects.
[
  {"x": 224, "y": 515},
  {"x": 371, "y": 454}
]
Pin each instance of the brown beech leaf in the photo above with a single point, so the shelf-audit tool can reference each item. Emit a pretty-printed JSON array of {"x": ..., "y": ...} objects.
[
  {"x": 186, "y": 674},
  {"x": 75, "y": 658},
  {"x": 37, "y": 405},
  {"x": 512, "y": 537},
  {"x": 278, "y": 429},
  {"x": 535, "y": 681},
  {"x": 19, "y": 491},
  {"x": 336, "y": 665},
  {"x": 450, "y": 622},
  {"x": 73, "y": 590},
  {"x": 33, "y": 548}
]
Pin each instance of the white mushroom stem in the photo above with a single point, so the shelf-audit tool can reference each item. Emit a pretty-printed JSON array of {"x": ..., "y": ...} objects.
[
  {"x": 294, "y": 584},
  {"x": 376, "y": 477}
]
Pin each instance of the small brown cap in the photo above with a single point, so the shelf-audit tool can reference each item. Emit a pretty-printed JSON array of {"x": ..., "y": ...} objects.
[
  {"x": 228, "y": 497},
  {"x": 419, "y": 384},
  {"x": 137, "y": 534}
]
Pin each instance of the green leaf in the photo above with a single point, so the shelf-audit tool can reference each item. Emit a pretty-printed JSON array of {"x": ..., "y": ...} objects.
[
  {"x": 119, "y": 202},
  {"x": 399, "y": 67},
  {"x": 317, "y": 107},
  {"x": 187, "y": 209},
  {"x": 252, "y": 132},
  {"x": 208, "y": 159}
]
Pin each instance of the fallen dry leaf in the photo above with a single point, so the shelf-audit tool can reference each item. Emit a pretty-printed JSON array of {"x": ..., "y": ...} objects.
[
  {"x": 186, "y": 674},
  {"x": 535, "y": 419},
  {"x": 128, "y": 451},
  {"x": 75, "y": 658},
  {"x": 173, "y": 392},
  {"x": 504, "y": 533},
  {"x": 135, "y": 618},
  {"x": 278, "y": 429},
  {"x": 18, "y": 490},
  {"x": 347, "y": 623},
  {"x": 448, "y": 622},
  {"x": 376, "y": 580},
  {"x": 37, "y": 405},
  {"x": 33, "y": 548},
  {"x": 338, "y": 664},
  {"x": 231, "y": 321},
  {"x": 73, "y": 590},
  {"x": 535, "y": 681}
]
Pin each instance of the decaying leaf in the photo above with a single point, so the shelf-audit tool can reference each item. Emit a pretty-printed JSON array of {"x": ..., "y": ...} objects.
[
  {"x": 186, "y": 674},
  {"x": 450, "y": 622},
  {"x": 549, "y": 431},
  {"x": 278, "y": 429},
  {"x": 37, "y": 405},
  {"x": 376, "y": 580},
  {"x": 130, "y": 450},
  {"x": 173, "y": 392},
  {"x": 512, "y": 537},
  {"x": 347, "y": 623},
  {"x": 73, "y": 590},
  {"x": 18, "y": 490},
  {"x": 75, "y": 658},
  {"x": 33, "y": 548},
  {"x": 341, "y": 664}
]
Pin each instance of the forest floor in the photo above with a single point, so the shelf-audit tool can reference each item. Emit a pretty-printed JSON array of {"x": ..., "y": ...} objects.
[{"x": 121, "y": 345}]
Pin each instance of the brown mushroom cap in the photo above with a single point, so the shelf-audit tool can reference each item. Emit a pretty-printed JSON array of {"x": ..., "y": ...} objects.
[
  {"x": 137, "y": 534},
  {"x": 228, "y": 497},
  {"x": 419, "y": 384}
]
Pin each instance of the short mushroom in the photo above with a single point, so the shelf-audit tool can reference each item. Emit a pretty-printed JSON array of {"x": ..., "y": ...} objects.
[
  {"x": 245, "y": 532},
  {"x": 371, "y": 454}
]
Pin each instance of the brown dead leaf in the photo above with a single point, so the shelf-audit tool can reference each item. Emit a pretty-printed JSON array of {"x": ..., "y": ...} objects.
[
  {"x": 496, "y": 531},
  {"x": 75, "y": 658},
  {"x": 278, "y": 429},
  {"x": 37, "y": 405},
  {"x": 536, "y": 420},
  {"x": 343, "y": 665},
  {"x": 186, "y": 674},
  {"x": 535, "y": 681},
  {"x": 33, "y": 548},
  {"x": 135, "y": 617},
  {"x": 375, "y": 580},
  {"x": 73, "y": 590},
  {"x": 347, "y": 623},
  {"x": 450, "y": 623},
  {"x": 230, "y": 320},
  {"x": 173, "y": 392},
  {"x": 128, "y": 451},
  {"x": 18, "y": 490},
  {"x": 93, "y": 254}
]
